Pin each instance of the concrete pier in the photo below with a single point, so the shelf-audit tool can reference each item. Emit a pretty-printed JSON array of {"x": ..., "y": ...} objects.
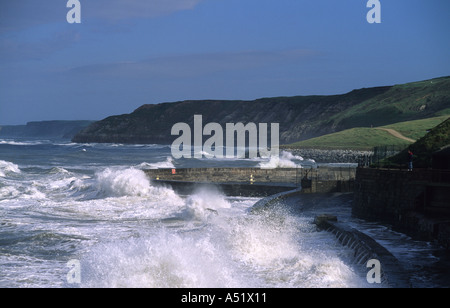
[{"x": 256, "y": 181}]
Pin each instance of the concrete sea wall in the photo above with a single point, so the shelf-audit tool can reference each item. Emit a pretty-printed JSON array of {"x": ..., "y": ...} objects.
[
  {"x": 311, "y": 180},
  {"x": 365, "y": 249},
  {"x": 416, "y": 202}
]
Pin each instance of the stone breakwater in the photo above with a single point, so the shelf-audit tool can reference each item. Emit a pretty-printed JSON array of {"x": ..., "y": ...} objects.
[
  {"x": 332, "y": 156},
  {"x": 312, "y": 180}
]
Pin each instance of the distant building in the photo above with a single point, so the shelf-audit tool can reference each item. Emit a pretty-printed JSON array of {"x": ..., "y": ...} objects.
[{"x": 441, "y": 159}]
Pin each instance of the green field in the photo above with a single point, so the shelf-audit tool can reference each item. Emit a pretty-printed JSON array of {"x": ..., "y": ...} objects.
[
  {"x": 417, "y": 129},
  {"x": 363, "y": 138}
]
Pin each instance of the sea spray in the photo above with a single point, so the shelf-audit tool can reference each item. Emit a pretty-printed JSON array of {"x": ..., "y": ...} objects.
[
  {"x": 165, "y": 259},
  {"x": 124, "y": 193},
  {"x": 7, "y": 168},
  {"x": 167, "y": 164},
  {"x": 126, "y": 182},
  {"x": 82, "y": 206},
  {"x": 131, "y": 182},
  {"x": 232, "y": 248},
  {"x": 286, "y": 160}
]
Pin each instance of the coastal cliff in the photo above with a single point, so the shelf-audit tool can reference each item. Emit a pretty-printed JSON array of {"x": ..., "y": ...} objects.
[
  {"x": 44, "y": 129},
  {"x": 300, "y": 117}
]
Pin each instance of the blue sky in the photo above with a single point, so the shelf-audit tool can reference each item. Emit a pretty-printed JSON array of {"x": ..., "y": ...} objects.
[{"x": 127, "y": 53}]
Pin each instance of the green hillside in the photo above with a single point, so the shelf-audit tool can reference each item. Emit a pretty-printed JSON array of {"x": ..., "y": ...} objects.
[
  {"x": 362, "y": 138},
  {"x": 400, "y": 103},
  {"x": 418, "y": 129},
  {"x": 300, "y": 117},
  {"x": 424, "y": 148}
]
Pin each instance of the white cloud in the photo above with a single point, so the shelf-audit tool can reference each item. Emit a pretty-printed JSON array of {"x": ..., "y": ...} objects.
[
  {"x": 126, "y": 9},
  {"x": 20, "y": 14},
  {"x": 193, "y": 65}
]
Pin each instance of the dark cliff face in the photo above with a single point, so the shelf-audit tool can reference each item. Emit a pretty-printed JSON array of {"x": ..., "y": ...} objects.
[
  {"x": 45, "y": 129},
  {"x": 300, "y": 117}
]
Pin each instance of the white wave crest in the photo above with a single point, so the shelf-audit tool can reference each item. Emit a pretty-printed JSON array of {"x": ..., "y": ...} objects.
[
  {"x": 7, "y": 168},
  {"x": 163, "y": 260},
  {"x": 167, "y": 164},
  {"x": 131, "y": 182},
  {"x": 285, "y": 160},
  {"x": 127, "y": 182},
  {"x": 205, "y": 202}
]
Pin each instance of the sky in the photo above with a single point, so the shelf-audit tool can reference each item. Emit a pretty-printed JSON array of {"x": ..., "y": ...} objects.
[{"x": 126, "y": 53}]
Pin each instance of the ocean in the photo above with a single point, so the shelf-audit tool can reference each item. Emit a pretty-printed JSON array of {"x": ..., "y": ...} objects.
[{"x": 85, "y": 215}]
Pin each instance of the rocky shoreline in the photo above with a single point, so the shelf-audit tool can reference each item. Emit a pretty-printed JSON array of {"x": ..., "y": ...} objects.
[{"x": 333, "y": 156}]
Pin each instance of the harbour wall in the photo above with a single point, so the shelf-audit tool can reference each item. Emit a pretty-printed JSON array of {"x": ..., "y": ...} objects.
[
  {"x": 363, "y": 246},
  {"x": 365, "y": 249},
  {"x": 416, "y": 202},
  {"x": 242, "y": 181}
]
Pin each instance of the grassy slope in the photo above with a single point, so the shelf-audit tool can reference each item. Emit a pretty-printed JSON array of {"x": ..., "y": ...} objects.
[
  {"x": 300, "y": 117},
  {"x": 406, "y": 102},
  {"x": 367, "y": 138},
  {"x": 414, "y": 108},
  {"x": 351, "y": 139},
  {"x": 417, "y": 129},
  {"x": 423, "y": 149}
]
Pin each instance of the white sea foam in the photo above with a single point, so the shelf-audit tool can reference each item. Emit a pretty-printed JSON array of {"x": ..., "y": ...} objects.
[
  {"x": 129, "y": 232},
  {"x": 9, "y": 192},
  {"x": 113, "y": 182},
  {"x": 162, "y": 260},
  {"x": 25, "y": 143},
  {"x": 8, "y": 168},
  {"x": 111, "y": 194},
  {"x": 232, "y": 251},
  {"x": 285, "y": 160},
  {"x": 22, "y": 192},
  {"x": 205, "y": 202},
  {"x": 167, "y": 164}
]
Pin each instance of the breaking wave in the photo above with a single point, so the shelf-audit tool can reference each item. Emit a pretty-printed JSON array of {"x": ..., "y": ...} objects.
[
  {"x": 7, "y": 168},
  {"x": 266, "y": 250},
  {"x": 285, "y": 160},
  {"x": 167, "y": 164}
]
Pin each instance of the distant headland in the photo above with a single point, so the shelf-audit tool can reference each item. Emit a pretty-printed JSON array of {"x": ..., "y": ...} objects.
[{"x": 301, "y": 118}]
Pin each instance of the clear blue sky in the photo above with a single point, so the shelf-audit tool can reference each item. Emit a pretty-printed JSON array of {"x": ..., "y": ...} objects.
[{"x": 127, "y": 53}]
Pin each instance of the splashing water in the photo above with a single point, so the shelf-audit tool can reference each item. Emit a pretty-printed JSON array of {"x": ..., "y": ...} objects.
[
  {"x": 125, "y": 231},
  {"x": 286, "y": 160}
]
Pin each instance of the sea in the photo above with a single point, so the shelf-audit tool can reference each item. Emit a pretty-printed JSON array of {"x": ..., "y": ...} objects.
[{"x": 86, "y": 216}]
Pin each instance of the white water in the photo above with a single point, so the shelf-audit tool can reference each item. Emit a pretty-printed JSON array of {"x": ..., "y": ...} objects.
[
  {"x": 285, "y": 160},
  {"x": 212, "y": 241},
  {"x": 60, "y": 203},
  {"x": 8, "y": 168},
  {"x": 127, "y": 232}
]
